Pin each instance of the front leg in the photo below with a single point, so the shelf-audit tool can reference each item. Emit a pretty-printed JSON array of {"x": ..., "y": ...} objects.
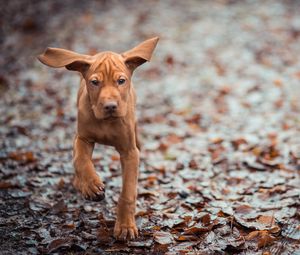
[
  {"x": 125, "y": 227},
  {"x": 86, "y": 179}
]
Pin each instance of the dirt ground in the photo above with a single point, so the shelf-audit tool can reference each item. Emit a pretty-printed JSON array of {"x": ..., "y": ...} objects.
[{"x": 219, "y": 119}]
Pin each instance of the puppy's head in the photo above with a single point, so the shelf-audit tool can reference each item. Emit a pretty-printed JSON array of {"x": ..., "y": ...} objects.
[{"x": 107, "y": 75}]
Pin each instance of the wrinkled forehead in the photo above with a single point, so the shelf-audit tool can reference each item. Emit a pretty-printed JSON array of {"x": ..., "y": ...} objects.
[{"x": 108, "y": 63}]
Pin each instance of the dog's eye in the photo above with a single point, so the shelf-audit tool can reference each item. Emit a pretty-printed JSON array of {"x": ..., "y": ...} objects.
[
  {"x": 121, "y": 81},
  {"x": 94, "y": 82}
]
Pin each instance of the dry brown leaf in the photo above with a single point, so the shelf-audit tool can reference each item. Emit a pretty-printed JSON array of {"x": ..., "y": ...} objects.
[
  {"x": 243, "y": 209},
  {"x": 197, "y": 229},
  {"x": 261, "y": 237},
  {"x": 22, "y": 156},
  {"x": 185, "y": 238},
  {"x": 267, "y": 220},
  {"x": 7, "y": 185}
]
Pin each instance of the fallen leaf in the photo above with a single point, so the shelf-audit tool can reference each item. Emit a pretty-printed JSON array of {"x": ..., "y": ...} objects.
[
  {"x": 59, "y": 243},
  {"x": 7, "y": 185},
  {"x": 261, "y": 237},
  {"x": 185, "y": 238},
  {"x": 291, "y": 230},
  {"x": 144, "y": 243},
  {"x": 163, "y": 237},
  {"x": 104, "y": 235},
  {"x": 59, "y": 207},
  {"x": 22, "y": 156},
  {"x": 197, "y": 229}
]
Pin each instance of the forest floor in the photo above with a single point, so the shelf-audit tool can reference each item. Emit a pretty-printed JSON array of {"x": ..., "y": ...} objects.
[{"x": 219, "y": 119}]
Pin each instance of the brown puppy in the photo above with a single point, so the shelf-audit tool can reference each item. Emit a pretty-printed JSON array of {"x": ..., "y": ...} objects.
[{"x": 106, "y": 115}]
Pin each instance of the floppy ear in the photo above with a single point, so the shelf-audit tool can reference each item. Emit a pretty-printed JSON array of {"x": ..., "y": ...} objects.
[
  {"x": 140, "y": 54},
  {"x": 55, "y": 57}
]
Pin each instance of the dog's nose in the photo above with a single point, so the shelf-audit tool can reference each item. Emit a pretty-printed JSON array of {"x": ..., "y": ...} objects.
[{"x": 110, "y": 107}]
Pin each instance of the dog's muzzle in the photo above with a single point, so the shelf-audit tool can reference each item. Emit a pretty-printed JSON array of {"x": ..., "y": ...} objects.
[{"x": 110, "y": 107}]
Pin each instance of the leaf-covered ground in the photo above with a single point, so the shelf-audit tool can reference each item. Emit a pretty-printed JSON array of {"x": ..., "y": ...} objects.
[{"x": 219, "y": 117}]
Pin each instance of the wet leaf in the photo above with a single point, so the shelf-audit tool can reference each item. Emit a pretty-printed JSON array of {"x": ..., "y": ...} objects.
[
  {"x": 163, "y": 237},
  {"x": 292, "y": 230},
  {"x": 144, "y": 243},
  {"x": 104, "y": 235},
  {"x": 59, "y": 243},
  {"x": 39, "y": 205},
  {"x": 59, "y": 207}
]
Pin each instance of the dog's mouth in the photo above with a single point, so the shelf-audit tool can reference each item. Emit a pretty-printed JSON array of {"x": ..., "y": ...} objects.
[
  {"x": 105, "y": 116},
  {"x": 111, "y": 117}
]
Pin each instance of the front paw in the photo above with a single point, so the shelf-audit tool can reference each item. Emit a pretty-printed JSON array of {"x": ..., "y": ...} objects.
[
  {"x": 125, "y": 231},
  {"x": 91, "y": 188}
]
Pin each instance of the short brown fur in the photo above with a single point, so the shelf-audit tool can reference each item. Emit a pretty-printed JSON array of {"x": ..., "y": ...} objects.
[{"x": 106, "y": 115}]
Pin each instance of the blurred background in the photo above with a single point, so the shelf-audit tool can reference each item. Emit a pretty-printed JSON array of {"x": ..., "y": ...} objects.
[{"x": 218, "y": 111}]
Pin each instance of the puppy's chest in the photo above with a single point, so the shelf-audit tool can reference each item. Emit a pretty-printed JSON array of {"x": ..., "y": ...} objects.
[{"x": 107, "y": 134}]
